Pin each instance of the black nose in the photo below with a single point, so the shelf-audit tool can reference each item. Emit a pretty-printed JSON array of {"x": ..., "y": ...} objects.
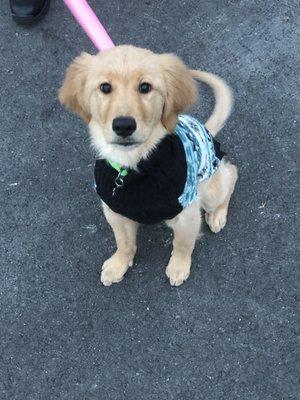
[{"x": 124, "y": 126}]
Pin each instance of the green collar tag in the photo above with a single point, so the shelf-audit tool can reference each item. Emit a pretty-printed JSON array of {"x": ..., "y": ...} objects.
[{"x": 122, "y": 171}]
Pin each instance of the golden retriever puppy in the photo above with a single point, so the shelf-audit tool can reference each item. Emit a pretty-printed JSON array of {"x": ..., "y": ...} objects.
[{"x": 132, "y": 101}]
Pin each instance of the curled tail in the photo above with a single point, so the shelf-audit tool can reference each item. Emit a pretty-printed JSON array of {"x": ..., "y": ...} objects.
[{"x": 223, "y": 100}]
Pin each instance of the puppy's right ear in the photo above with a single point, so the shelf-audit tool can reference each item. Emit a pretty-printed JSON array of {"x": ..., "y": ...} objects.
[{"x": 73, "y": 94}]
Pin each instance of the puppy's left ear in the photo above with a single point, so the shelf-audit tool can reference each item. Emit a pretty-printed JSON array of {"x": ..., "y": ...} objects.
[
  {"x": 73, "y": 94},
  {"x": 181, "y": 89}
]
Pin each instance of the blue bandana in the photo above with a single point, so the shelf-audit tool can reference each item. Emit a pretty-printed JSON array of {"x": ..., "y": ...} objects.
[{"x": 201, "y": 159}]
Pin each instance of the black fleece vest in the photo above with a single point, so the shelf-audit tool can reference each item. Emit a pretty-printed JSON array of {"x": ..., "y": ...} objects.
[{"x": 150, "y": 194}]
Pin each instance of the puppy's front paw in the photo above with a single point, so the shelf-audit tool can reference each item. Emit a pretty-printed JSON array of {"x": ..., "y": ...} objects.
[
  {"x": 178, "y": 270},
  {"x": 114, "y": 269},
  {"x": 217, "y": 219}
]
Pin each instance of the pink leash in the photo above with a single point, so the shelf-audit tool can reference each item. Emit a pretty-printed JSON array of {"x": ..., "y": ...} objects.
[{"x": 89, "y": 22}]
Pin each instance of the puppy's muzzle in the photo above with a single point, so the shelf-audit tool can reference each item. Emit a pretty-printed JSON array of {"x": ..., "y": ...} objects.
[{"x": 124, "y": 126}]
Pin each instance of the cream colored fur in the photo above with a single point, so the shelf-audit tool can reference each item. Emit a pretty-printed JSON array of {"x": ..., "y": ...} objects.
[
  {"x": 223, "y": 100},
  {"x": 174, "y": 90}
]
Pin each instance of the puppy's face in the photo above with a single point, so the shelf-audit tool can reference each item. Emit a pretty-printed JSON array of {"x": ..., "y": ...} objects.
[{"x": 128, "y": 95}]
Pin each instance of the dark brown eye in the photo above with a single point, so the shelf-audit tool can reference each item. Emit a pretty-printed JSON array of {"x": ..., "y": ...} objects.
[
  {"x": 105, "y": 87},
  {"x": 145, "y": 88}
]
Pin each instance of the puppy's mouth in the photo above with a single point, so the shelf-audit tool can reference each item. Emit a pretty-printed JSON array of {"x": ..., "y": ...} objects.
[{"x": 126, "y": 144}]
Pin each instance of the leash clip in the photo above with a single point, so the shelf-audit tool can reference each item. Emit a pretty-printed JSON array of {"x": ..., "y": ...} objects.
[{"x": 119, "y": 182}]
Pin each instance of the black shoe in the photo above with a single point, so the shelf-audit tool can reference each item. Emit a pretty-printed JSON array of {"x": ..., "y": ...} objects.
[{"x": 27, "y": 12}]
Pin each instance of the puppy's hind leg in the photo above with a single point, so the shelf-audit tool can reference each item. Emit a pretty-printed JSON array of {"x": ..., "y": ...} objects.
[
  {"x": 125, "y": 230},
  {"x": 215, "y": 195}
]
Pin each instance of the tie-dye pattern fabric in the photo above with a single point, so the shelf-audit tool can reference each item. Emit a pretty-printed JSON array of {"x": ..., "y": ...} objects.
[{"x": 201, "y": 159}]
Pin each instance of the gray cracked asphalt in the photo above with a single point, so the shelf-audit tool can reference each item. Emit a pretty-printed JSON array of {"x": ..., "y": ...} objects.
[{"x": 230, "y": 331}]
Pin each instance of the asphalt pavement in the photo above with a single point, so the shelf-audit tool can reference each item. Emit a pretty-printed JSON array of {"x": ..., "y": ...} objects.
[{"x": 230, "y": 331}]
